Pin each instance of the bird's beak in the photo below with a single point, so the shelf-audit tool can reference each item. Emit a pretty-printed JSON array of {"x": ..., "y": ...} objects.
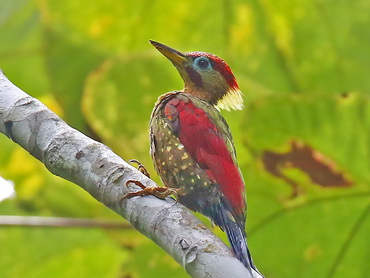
[{"x": 176, "y": 57}]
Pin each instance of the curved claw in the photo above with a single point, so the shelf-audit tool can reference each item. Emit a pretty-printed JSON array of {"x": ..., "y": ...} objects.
[
  {"x": 140, "y": 167},
  {"x": 138, "y": 183},
  {"x": 134, "y": 161}
]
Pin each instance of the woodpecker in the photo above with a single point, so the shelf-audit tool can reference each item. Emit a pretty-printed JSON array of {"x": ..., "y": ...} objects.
[{"x": 192, "y": 147}]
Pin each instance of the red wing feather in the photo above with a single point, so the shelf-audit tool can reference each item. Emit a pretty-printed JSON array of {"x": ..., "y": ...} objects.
[{"x": 206, "y": 145}]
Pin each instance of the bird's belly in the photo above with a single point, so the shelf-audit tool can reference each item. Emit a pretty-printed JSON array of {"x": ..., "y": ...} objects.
[{"x": 177, "y": 169}]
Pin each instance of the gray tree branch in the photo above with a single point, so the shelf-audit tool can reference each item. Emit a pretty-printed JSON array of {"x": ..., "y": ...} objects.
[
  {"x": 93, "y": 166},
  {"x": 59, "y": 222}
]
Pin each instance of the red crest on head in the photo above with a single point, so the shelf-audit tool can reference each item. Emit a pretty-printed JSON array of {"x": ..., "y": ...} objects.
[{"x": 219, "y": 65}]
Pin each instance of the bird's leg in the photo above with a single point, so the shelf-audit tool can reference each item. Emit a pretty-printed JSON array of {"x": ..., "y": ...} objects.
[
  {"x": 159, "y": 192},
  {"x": 140, "y": 167}
]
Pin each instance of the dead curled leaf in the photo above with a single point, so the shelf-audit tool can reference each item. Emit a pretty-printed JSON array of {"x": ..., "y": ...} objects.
[{"x": 319, "y": 168}]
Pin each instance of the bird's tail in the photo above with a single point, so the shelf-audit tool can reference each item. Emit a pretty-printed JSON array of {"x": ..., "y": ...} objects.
[{"x": 237, "y": 238}]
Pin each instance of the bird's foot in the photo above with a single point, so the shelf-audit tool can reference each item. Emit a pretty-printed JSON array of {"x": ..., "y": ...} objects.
[
  {"x": 159, "y": 192},
  {"x": 140, "y": 167}
]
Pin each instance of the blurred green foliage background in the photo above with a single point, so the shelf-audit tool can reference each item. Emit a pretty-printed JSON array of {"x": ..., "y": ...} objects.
[{"x": 303, "y": 140}]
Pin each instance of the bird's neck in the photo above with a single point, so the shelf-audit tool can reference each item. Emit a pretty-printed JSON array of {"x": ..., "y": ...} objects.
[{"x": 211, "y": 97}]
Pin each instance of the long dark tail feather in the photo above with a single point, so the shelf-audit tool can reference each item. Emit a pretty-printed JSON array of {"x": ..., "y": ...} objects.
[{"x": 237, "y": 238}]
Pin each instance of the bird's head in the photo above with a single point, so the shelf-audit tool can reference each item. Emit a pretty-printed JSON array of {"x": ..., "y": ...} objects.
[{"x": 206, "y": 76}]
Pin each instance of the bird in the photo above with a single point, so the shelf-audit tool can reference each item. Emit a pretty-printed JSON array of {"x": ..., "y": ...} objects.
[{"x": 192, "y": 147}]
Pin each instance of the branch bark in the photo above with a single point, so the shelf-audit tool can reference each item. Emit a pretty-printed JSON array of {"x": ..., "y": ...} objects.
[{"x": 93, "y": 166}]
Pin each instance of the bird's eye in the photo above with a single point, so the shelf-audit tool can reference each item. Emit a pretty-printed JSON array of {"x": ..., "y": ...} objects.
[{"x": 202, "y": 63}]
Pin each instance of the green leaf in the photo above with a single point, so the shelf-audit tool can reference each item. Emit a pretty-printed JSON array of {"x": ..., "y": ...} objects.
[
  {"x": 148, "y": 260},
  {"x": 91, "y": 62},
  {"x": 308, "y": 224},
  {"x": 61, "y": 252}
]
